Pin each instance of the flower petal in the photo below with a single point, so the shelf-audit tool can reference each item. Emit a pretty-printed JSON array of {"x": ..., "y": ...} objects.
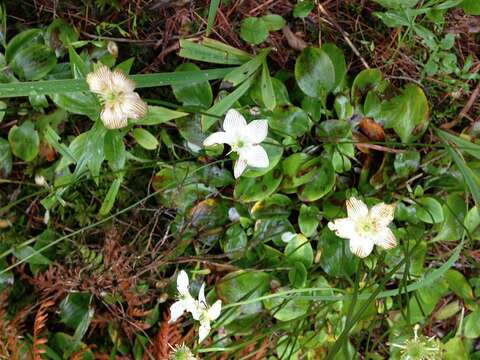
[
  {"x": 356, "y": 209},
  {"x": 233, "y": 121},
  {"x": 201, "y": 296},
  {"x": 362, "y": 247},
  {"x": 204, "y": 330},
  {"x": 113, "y": 117},
  {"x": 239, "y": 168},
  {"x": 100, "y": 80},
  {"x": 255, "y": 156},
  {"x": 121, "y": 82},
  {"x": 344, "y": 228},
  {"x": 176, "y": 310},
  {"x": 383, "y": 213},
  {"x": 257, "y": 131},
  {"x": 385, "y": 238},
  {"x": 133, "y": 106},
  {"x": 182, "y": 283},
  {"x": 215, "y": 310},
  {"x": 220, "y": 137}
]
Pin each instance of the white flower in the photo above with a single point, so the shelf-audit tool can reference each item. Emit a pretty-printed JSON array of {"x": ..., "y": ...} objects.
[
  {"x": 40, "y": 180},
  {"x": 185, "y": 301},
  {"x": 244, "y": 139},
  {"x": 206, "y": 314},
  {"x": 116, "y": 92},
  {"x": 366, "y": 228},
  {"x": 233, "y": 214}
]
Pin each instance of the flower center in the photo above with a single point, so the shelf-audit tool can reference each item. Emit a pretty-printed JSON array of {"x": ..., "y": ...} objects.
[
  {"x": 366, "y": 226},
  {"x": 113, "y": 96}
]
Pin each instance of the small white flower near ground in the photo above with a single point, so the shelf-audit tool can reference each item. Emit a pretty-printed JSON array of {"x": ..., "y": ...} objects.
[
  {"x": 206, "y": 314},
  {"x": 185, "y": 301},
  {"x": 199, "y": 309},
  {"x": 366, "y": 228},
  {"x": 244, "y": 139},
  {"x": 120, "y": 101}
]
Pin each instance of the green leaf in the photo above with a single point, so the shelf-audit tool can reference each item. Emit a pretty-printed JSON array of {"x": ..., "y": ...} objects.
[
  {"x": 83, "y": 103},
  {"x": 459, "y": 285},
  {"x": 337, "y": 259},
  {"x": 24, "y": 39},
  {"x": 250, "y": 189},
  {"x": 145, "y": 139},
  {"x": 33, "y": 62},
  {"x": 243, "y": 72},
  {"x": 69, "y": 86},
  {"x": 462, "y": 144},
  {"x": 24, "y": 141},
  {"x": 299, "y": 249},
  {"x": 5, "y": 158},
  {"x": 287, "y": 309},
  {"x": 406, "y": 163},
  {"x": 298, "y": 275},
  {"x": 471, "y": 7},
  {"x": 315, "y": 72},
  {"x": 53, "y": 139},
  {"x": 32, "y": 256},
  {"x": 158, "y": 115},
  {"x": 197, "y": 94},
  {"x": 268, "y": 93},
  {"x": 274, "y": 22},
  {"x": 290, "y": 121},
  {"x": 114, "y": 149},
  {"x": 109, "y": 200},
  {"x": 455, "y": 210},
  {"x": 338, "y": 60},
  {"x": 243, "y": 285},
  {"x": 303, "y": 8},
  {"x": 79, "y": 68},
  {"x": 234, "y": 242},
  {"x": 213, "y": 52},
  {"x": 308, "y": 219},
  {"x": 455, "y": 349},
  {"x": 76, "y": 313},
  {"x": 212, "y": 13},
  {"x": 253, "y": 30},
  {"x": 472, "y": 325},
  {"x": 407, "y": 113},
  {"x": 429, "y": 210},
  {"x": 397, "y": 4},
  {"x": 225, "y": 104},
  {"x": 319, "y": 184}
]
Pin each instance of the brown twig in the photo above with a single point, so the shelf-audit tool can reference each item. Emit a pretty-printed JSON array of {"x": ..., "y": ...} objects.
[{"x": 465, "y": 110}]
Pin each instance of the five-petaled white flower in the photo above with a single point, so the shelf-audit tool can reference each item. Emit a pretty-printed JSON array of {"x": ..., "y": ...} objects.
[
  {"x": 120, "y": 101},
  {"x": 365, "y": 228},
  {"x": 244, "y": 139},
  {"x": 185, "y": 301},
  {"x": 199, "y": 309},
  {"x": 206, "y": 314}
]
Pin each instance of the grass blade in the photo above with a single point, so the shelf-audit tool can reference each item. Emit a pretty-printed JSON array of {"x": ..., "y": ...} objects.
[
  {"x": 48, "y": 87},
  {"x": 212, "y": 14}
]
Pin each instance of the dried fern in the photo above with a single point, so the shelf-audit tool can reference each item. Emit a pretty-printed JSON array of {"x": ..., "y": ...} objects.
[{"x": 39, "y": 341}]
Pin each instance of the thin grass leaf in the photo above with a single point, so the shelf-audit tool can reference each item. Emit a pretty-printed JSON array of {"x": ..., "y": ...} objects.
[
  {"x": 462, "y": 144},
  {"x": 212, "y": 14},
  {"x": 48, "y": 87},
  {"x": 212, "y": 54},
  {"x": 472, "y": 180}
]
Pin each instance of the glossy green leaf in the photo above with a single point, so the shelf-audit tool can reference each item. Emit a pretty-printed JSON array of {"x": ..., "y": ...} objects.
[
  {"x": 303, "y": 8},
  {"x": 254, "y": 30},
  {"x": 268, "y": 93},
  {"x": 319, "y": 184},
  {"x": 109, "y": 200},
  {"x": 196, "y": 94},
  {"x": 287, "y": 309},
  {"x": 407, "y": 114},
  {"x": 290, "y": 121},
  {"x": 406, "y": 163},
  {"x": 24, "y": 141},
  {"x": 158, "y": 115},
  {"x": 454, "y": 210},
  {"x": 459, "y": 285},
  {"x": 21, "y": 40},
  {"x": 33, "y": 62},
  {"x": 234, "y": 242},
  {"x": 145, "y": 139},
  {"x": 315, "y": 72},
  {"x": 274, "y": 22},
  {"x": 471, "y": 7},
  {"x": 243, "y": 72},
  {"x": 429, "y": 210},
  {"x": 114, "y": 149},
  {"x": 338, "y": 60},
  {"x": 308, "y": 219},
  {"x": 250, "y": 189},
  {"x": 299, "y": 249},
  {"x": 298, "y": 275},
  {"x": 472, "y": 325}
]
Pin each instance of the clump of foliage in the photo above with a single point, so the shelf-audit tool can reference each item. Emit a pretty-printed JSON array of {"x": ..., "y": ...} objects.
[{"x": 229, "y": 209}]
